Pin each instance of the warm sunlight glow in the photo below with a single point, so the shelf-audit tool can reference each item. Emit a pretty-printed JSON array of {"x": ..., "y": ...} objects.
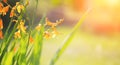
[{"x": 112, "y": 2}]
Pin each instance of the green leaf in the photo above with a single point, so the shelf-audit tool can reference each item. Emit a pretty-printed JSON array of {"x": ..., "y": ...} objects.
[
  {"x": 68, "y": 39},
  {"x": 8, "y": 60},
  {"x": 37, "y": 49}
]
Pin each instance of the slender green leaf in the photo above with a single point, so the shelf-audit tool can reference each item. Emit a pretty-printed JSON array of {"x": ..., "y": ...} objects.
[{"x": 68, "y": 39}]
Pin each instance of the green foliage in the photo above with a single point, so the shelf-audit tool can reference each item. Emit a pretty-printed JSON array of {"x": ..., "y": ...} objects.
[
  {"x": 21, "y": 51},
  {"x": 68, "y": 39}
]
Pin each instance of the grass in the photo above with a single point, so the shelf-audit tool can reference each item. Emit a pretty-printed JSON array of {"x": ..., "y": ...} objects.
[
  {"x": 85, "y": 49},
  {"x": 27, "y": 46},
  {"x": 68, "y": 39}
]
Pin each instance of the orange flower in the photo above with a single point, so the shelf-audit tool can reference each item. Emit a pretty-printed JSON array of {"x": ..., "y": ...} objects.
[
  {"x": 1, "y": 24},
  {"x": 1, "y": 34},
  {"x": 49, "y": 23},
  {"x": 53, "y": 25},
  {"x": 1, "y": 27},
  {"x": 5, "y": 1},
  {"x": 12, "y": 13},
  {"x": 16, "y": 47},
  {"x": 5, "y": 10},
  {"x": 1, "y": 7},
  {"x": 31, "y": 39}
]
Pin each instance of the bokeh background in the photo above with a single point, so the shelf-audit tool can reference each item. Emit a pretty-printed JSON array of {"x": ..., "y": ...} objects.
[{"x": 97, "y": 41}]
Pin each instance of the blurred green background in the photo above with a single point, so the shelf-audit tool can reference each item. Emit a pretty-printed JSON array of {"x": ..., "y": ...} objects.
[{"x": 97, "y": 40}]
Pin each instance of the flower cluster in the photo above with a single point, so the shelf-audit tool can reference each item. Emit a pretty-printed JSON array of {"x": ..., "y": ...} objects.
[
  {"x": 15, "y": 14},
  {"x": 51, "y": 31},
  {"x": 16, "y": 11},
  {"x": 50, "y": 28},
  {"x": 20, "y": 29},
  {"x": 23, "y": 41},
  {"x": 3, "y": 11}
]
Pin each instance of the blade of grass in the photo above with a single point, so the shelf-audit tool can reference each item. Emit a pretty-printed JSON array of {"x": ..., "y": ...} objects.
[
  {"x": 68, "y": 39},
  {"x": 36, "y": 53},
  {"x": 37, "y": 50},
  {"x": 22, "y": 51},
  {"x": 8, "y": 60},
  {"x": 6, "y": 44}
]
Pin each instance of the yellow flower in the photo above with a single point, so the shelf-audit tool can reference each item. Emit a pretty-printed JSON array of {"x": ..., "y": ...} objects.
[
  {"x": 17, "y": 34},
  {"x": 20, "y": 8},
  {"x": 38, "y": 27},
  {"x": 47, "y": 35},
  {"x": 21, "y": 27}
]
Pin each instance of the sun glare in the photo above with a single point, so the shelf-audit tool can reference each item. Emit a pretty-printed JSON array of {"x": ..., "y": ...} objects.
[{"x": 112, "y": 2}]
